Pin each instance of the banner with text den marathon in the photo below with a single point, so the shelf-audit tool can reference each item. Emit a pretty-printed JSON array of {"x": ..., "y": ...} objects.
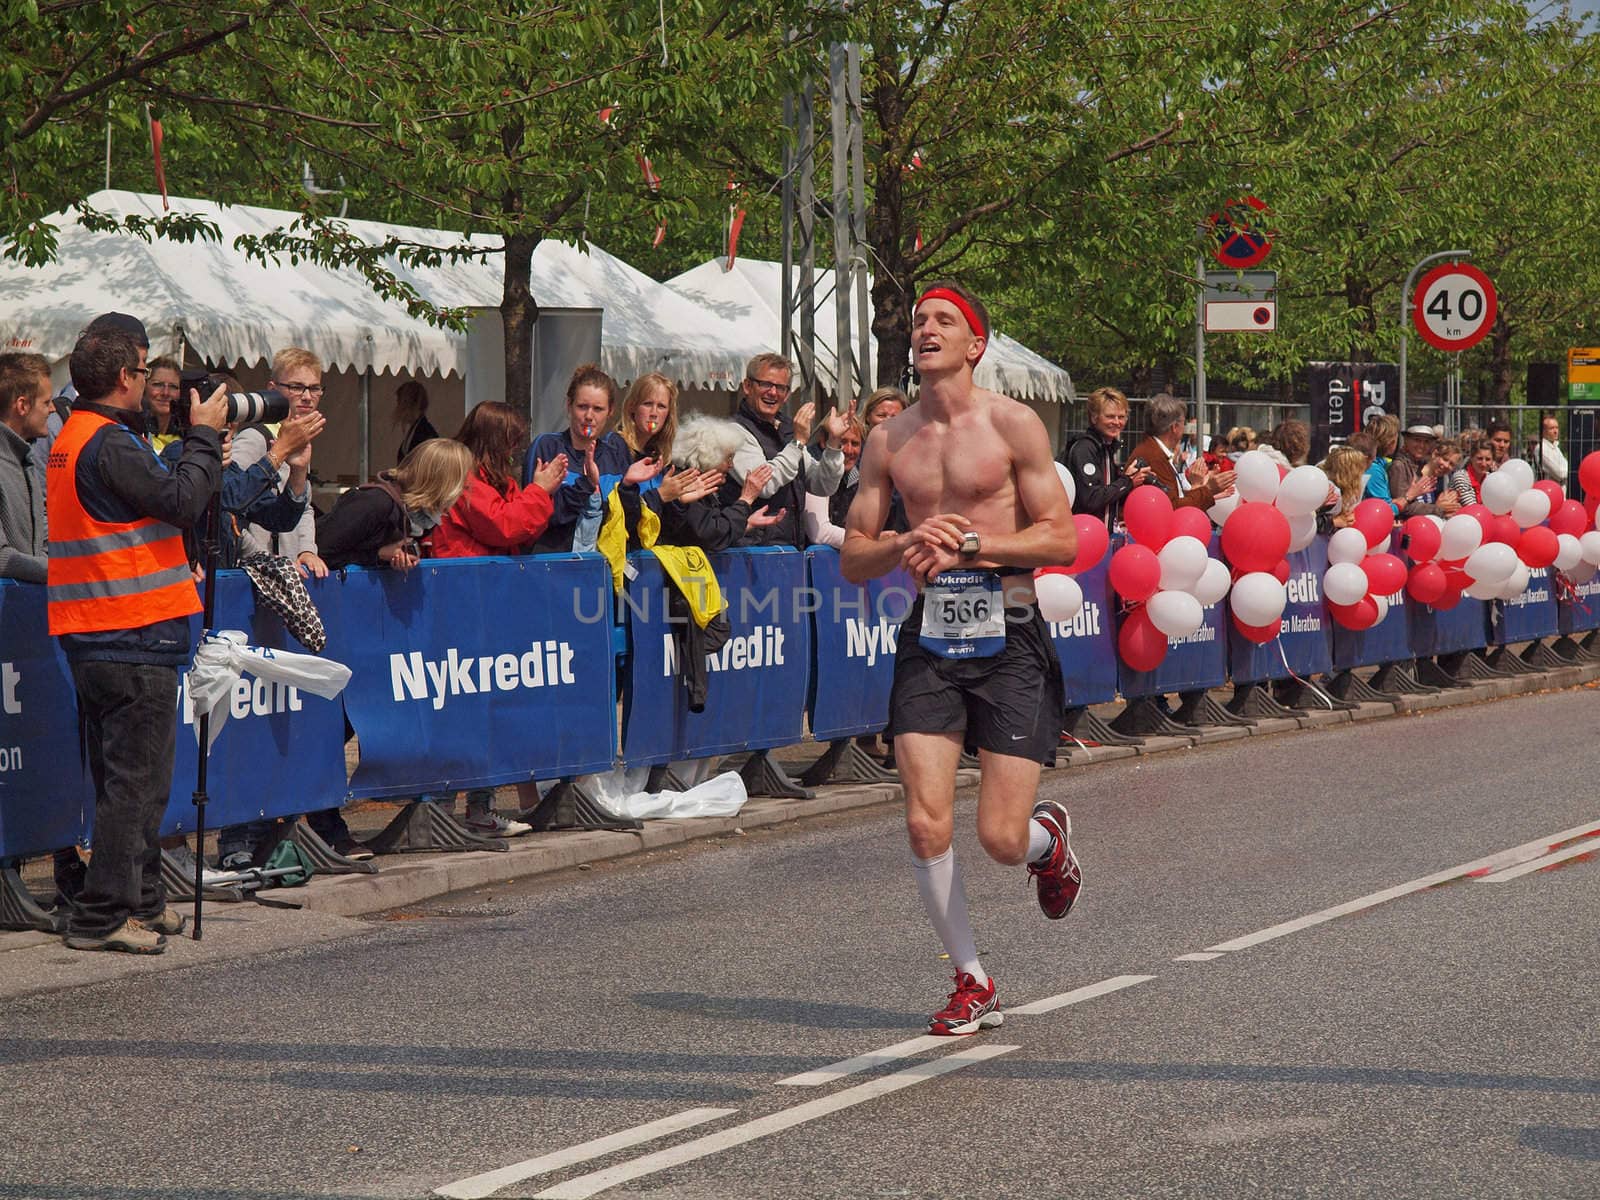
[
  {"x": 855, "y": 632},
  {"x": 281, "y": 750},
  {"x": 1087, "y": 644},
  {"x": 46, "y": 801},
  {"x": 1303, "y": 646},
  {"x": 475, "y": 672},
  {"x": 756, "y": 684},
  {"x": 1342, "y": 393},
  {"x": 1579, "y": 606},
  {"x": 1530, "y": 615}
]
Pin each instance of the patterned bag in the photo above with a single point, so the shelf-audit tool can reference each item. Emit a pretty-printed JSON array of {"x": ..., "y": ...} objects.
[{"x": 279, "y": 586}]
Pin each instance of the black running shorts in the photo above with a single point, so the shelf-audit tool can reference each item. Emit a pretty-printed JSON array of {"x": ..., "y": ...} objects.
[{"x": 1010, "y": 703}]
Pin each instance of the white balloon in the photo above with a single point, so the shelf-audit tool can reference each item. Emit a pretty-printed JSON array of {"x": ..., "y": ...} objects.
[
  {"x": 1259, "y": 599},
  {"x": 1583, "y": 572},
  {"x": 1518, "y": 471},
  {"x": 1214, "y": 582},
  {"x": 1483, "y": 591},
  {"x": 1591, "y": 546},
  {"x": 1222, "y": 507},
  {"x": 1462, "y": 535},
  {"x": 1176, "y": 614},
  {"x": 1382, "y": 547},
  {"x": 1344, "y": 583},
  {"x": 1060, "y": 597},
  {"x": 1570, "y": 554},
  {"x": 1302, "y": 531},
  {"x": 1302, "y": 492},
  {"x": 1383, "y": 608},
  {"x": 1069, "y": 483},
  {"x": 1438, "y": 522},
  {"x": 1183, "y": 561},
  {"x": 1498, "y": 493},
  {"x": 1517, "y": 582},
  {"x": 1349, "y": 545},
  {"x": 1491, "y": 564},
  {"x": 1530, "y": 508},
  {"x": 1257, "y": 478}
]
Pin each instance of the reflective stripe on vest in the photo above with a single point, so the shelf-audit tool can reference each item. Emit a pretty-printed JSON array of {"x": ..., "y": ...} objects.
[{"x": 107, "y": 574}]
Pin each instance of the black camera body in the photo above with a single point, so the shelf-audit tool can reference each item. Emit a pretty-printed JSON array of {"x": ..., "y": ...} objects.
[{"x": 244, "y": 408}]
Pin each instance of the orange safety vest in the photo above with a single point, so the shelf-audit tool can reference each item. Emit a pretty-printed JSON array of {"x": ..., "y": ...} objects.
[{"x": 107, "y": 574}]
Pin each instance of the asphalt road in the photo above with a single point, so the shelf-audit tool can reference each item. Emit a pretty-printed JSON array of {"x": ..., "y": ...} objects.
[{"x": 1443, "y": 1042}]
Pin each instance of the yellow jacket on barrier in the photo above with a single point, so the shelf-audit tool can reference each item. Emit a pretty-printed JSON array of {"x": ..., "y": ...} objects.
[{"x": 687, "y": 566}]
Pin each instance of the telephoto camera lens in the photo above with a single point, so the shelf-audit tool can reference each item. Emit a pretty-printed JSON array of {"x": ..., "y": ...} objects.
[{"x": 251, "y": 408}]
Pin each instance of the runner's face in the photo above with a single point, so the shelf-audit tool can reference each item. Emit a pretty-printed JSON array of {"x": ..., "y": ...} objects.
[
  {"x": 941, "y": 339},
  {"x": 650, "y": 414},
  {"x": 589, "y": 411},
  {"x": 1111, "y": 421}
]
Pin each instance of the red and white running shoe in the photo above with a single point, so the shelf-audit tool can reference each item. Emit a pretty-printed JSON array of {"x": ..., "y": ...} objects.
[
  {"x": 970, "y": 1009},
  {"x": 1059, "y": 877}
]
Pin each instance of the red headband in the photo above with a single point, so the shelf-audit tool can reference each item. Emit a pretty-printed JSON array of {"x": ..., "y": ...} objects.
[{"x": 966, "y": 310}]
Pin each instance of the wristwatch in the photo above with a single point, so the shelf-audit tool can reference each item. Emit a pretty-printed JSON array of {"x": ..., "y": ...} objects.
[{"x": 969, "y": 544}]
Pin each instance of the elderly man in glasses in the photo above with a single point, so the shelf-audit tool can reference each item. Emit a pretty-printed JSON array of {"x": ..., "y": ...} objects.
[
  {"x": 776, "y": 441},
  {"x": 297, "y": 374}
]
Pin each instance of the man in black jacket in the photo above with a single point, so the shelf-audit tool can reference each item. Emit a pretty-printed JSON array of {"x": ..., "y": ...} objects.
[
  {"x": 1101, "y": 485},
  {"x": 774, "y": 440}
]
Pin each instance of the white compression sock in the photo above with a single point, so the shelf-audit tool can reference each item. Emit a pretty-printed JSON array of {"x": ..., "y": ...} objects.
[
  {"x": 939, "y": 882},
  {"x": 1039, "y": 841}
]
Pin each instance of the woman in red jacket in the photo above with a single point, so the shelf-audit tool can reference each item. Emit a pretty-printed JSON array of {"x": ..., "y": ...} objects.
[{"x": 495, "y": 515}]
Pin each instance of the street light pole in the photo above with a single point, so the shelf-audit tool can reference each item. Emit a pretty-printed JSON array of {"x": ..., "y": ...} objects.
[{"x": 1405, "y": 316}]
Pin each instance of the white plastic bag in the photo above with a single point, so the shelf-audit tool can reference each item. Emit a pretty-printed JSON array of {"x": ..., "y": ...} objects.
[
  {"x": 620, "y": 792},
  {"x": 225, "y": 655}
]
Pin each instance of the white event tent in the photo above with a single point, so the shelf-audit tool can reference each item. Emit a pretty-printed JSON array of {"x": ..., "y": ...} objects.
[{"x": 751, "y": 296}]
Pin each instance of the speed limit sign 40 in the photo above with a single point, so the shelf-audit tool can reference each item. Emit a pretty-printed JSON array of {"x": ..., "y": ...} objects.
[{"x": 1453, "y": 306}]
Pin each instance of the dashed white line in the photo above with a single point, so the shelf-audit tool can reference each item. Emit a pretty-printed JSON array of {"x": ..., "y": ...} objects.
[
  {"x": 1198, "y": 956},
  {"x": 1077, "y": 996},
  {"x": 1588, "y": 846},
  {"x": 714, "y": 1143},
  {"x": 491, "y": 1182},
  {"x": 864, "y": 1062}
]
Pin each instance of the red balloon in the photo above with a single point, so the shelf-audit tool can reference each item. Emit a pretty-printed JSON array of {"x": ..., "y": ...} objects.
[
  {"x": 1506, "y": 530},
  {"x": 1280, "y": 570},
  {"x": 1386, "y": 574},
  {"x": 1148, "y": 514},
  {"x": 1590, "y": 503},
  {"x": 1191, "y": 522},
  {"x": 1141, "y": 645},
  {"x": 1427, "y": 583},
  {"x": 1374, "y": 518},
  {"x": 1589, "y": 473},
  {"x": 1255, "y": 537},
  {"x": 1538, "y": 547},
  {"x": 1135, "y": 573},
  {"x": 1568, "y": 517},
  {"x": 1422, "y": 538},
  {"x": 1485, "y": 519},
  {"x": 1363, "y": 614},
  {"x": 1448, "y": 599},
  {"x": 1552, "y": 489},
  {"x": 1092, "y": 542},
  {"x": 1259, "y": 634}
]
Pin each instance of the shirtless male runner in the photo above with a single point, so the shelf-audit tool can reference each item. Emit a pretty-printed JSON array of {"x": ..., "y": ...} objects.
[{"x": 975, "y": 664}]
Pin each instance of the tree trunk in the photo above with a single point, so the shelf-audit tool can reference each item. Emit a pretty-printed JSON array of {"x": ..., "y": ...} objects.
[
  {"x": 894, "y": 279},
  {"x": 1500, "y": 361},
  {"x": 518, "y": 313}
]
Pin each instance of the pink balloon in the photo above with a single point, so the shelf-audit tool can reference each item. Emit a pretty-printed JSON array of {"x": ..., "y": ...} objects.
[
  {"x": 1148, "y": 514},
  {"x": 1139, "y": 643},
  {"x": 1191, "y": 522},
  {"x": 1569, "y": 517},
  {"x": 1427, "y": 582},
  {"x": 1092, "y": 542},
  {"x": 1363, "y": 614},
  {"x": 1135, "y": 573},
  {"x": 1255, "y": 537},
  {"x": 1422, "y": 538},
  {"x": 1386, "y": 574},
  {"x": 1375, "y": 519},
  {"x": 1553, "y": 490},
  {"x": 1538, "y": 547}
]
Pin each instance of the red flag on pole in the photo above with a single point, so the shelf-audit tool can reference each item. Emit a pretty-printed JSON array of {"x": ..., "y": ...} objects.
[
  {"x": 735, "y": 224},
  {"x": 155, "y": 151}
]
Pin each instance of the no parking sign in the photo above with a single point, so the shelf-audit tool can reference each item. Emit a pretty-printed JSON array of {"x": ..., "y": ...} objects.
[{"x": 1454, "y": 306}]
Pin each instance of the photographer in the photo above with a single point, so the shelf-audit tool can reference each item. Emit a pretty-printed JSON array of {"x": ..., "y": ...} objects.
[
  {"x": 297, "y": 373},
  {"x": 120, "y": 594}
]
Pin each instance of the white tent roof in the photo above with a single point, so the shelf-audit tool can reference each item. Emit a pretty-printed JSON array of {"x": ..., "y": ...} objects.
[
  {"x": 230, "y": 308},
  {"x": 750, "y": 297}
]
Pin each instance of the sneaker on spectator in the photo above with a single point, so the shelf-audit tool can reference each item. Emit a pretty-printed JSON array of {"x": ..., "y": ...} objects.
[
  {"x": 493, "y": 824},
  {"x": 170, "y": 922},
  {"x": 352, "y": 849},
  {"x": 131, "y": 937},
  {"x": 1059, "y": 877},
  {"x": 969, "y": 1009}
]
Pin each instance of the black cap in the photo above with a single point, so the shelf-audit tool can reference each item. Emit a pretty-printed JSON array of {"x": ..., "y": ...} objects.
[{"x": 123, "y": 323}]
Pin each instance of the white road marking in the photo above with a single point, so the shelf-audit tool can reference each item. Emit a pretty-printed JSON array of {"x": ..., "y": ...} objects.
[
  {"x": 714, "y": 1143},
  {"x": 864, "y": 1062},
  {"x": 490, "y": 1182},
  {"x": 1200, "y": 956},
  {"x": 1493, "y": 862},
  {"x": 1587, "y": 846},
  {"x": 1050, "y": 1003}
]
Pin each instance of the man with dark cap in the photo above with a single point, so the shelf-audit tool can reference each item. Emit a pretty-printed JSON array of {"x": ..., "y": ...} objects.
[{"x": 119, "y": 597}]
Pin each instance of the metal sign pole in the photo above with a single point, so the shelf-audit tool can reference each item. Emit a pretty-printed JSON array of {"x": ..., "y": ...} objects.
[{"x": 1200, "y": 355}]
